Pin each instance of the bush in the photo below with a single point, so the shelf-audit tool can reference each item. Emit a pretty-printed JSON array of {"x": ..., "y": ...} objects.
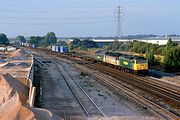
[
  {"x": 172, "y": 59},
  {"x": 151, "y": 58},
  {"x": 83, "y": 45}
]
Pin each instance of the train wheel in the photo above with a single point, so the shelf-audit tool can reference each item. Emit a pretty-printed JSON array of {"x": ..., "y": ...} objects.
[{"x": 135, "y": 72}]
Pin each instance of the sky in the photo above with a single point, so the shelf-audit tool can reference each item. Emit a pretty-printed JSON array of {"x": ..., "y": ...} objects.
[{"x": 74, "y": 18}]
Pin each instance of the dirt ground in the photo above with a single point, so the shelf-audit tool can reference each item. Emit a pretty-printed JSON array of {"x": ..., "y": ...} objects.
[{"x": 165, "y": 77}]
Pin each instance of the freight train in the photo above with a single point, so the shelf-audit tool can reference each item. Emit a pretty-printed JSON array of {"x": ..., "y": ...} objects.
[{"x": 128, "y": 63}]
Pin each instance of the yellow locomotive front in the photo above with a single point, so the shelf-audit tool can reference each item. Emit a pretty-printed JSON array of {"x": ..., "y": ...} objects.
[{"x": 141, "y": 65}]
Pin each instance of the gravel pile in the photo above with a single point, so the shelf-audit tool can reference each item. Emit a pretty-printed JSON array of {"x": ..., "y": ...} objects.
[
  {"x": 18, "y": 55},
  {"x": 23, "y": 64},
  {"x": 12, "y": 95},
  {"x": 13, "y": 98},
  {"x": 8, "y": 65},
  {"x": 2, "y": 61}
]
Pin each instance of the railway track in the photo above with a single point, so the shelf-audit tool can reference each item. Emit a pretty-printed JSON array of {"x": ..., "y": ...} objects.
[
  {"x": 150, "y": 106},
  {"x": 161, "y": 90},
  {"x": 133, "y": 96},
  {"x": 88, "y": 105},
  {"x": 144, "y": 83},
  {"x": 118, "y": 87}
]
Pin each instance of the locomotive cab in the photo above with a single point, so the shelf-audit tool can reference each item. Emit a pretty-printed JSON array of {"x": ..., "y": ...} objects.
[{"x": 140, "y": 65}]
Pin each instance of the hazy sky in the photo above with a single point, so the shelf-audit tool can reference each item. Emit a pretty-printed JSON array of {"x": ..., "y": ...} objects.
[{"x": 88, "y": 17}]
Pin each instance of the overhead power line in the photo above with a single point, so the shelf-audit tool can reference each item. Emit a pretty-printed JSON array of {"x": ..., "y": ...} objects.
[
  {"x": 50, "y": 18},
  {"x": 11, "y": 23},
  {"x": 62, "y": 12}
]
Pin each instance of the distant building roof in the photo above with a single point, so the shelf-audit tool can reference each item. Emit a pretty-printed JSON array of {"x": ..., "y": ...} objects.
[{"x": 153, "y": 40}]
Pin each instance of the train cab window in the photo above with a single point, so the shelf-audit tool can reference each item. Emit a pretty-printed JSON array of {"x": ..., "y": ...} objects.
[{"x": 142, "y": 60}]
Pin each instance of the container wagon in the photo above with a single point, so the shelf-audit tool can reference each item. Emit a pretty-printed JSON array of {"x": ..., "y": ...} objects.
[
  {"x": 60, "y": 49},
  {"x": 63, "y": 49},
  {"x": 57, "y": 49}
]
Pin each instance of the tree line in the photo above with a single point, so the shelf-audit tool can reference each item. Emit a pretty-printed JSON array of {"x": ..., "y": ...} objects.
[
  {"x": 48, "y": 40},
  {"x": 82, "y": 44},
  {"x": 44, "y": 41},
  {"x": 170, "y": 52},
  {"x": 40, "y": 41}
]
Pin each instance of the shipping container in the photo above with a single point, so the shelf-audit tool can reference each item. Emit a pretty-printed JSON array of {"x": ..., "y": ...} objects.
[
  {"x": 54, "y": 48},
  {"x": 57, "y": 48},
  {"x": 63, "y": 49},
  {"x": 34, "y": 45}
]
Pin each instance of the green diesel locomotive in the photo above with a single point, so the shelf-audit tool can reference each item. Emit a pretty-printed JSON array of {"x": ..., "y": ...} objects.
[{"x": 125, "y": 62}]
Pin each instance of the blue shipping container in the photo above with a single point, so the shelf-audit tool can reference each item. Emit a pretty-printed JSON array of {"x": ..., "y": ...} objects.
[
  {"x": 63, "y": 49},
  {"x": 57, "y": 48}
]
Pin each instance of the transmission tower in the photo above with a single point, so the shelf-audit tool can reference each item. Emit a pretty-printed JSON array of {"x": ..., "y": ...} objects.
[{"x": 118, "y": 15}]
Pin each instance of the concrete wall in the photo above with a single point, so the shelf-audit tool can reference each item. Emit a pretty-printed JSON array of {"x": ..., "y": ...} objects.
[{"x": 32, "y": 89}]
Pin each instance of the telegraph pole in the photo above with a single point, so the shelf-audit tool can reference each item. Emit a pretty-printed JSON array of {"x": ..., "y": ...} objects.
[{"x": 118, "y": 15}]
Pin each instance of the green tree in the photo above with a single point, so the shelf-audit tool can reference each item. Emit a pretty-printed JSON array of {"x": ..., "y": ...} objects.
[
  {"x": 21, "y": 39},
  {"x": 116, "y": 45},
  {"x": 108, "y": 47},
  {"x": 169, "y": 45},
  {"x": 152, "y": 60},
  {"x": 159, "y": 50},
  {"x": 84, "y": 44},
  {"x": 128, "y": 46},
  {"x": 75, "y": 43},
  {"x": 3, "y": 39},
  {"x": 138, "y": 47},
  {"x": 172, "y": 59},
  {"x": 35, "y": 40},
  {"x": 122, "y": 47},
  {"x": 88, "y": 43},
  {"x": 142, "y": 48},
  {"x": 50, "y": 39},
  {"x": 61, "y": 43}
]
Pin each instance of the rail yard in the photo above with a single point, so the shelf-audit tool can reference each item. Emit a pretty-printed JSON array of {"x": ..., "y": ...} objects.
[
  {"x": 90, "y": 60},
  {"x": 74, "y": 87}
]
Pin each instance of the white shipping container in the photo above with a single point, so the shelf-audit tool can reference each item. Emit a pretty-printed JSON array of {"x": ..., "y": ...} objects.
[{"x": 53, "y": 48}]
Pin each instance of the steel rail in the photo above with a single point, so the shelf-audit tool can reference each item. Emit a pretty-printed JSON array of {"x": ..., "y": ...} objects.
[
  {"x": 85, "y": 92},
  {"x": 80, "y": 102}
]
